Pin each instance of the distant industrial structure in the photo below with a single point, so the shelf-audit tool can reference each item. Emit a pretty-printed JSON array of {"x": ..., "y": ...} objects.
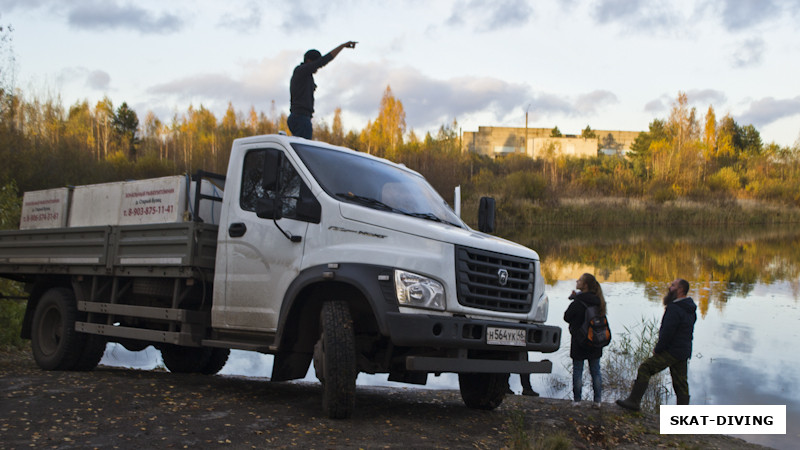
[{"x": 538, "y": 143}]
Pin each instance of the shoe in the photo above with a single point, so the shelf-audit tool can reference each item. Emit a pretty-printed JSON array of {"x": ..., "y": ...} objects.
[
  {"x": 596, "y": 405},
  {"x": 509, "y": 391},
  {"x": 530, "y": 392},
  {"x": 635, "y": 398},
  {"x": 576, "y": 404}
]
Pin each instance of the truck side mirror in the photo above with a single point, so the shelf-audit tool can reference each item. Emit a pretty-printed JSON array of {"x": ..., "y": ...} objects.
[
  {"x": 271, "y": 208},
  {"x": 486, "y": 212},
  {"x": 272, "y": 169}
]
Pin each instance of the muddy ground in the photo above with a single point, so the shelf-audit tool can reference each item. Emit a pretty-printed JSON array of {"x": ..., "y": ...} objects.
[{"x": 127, "y": 408}]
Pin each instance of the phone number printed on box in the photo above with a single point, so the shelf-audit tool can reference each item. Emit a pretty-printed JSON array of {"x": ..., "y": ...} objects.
[{"x": 148, "y": 210}]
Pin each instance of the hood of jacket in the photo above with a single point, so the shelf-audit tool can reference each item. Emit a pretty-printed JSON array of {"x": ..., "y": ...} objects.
[{"x": 588, "y": 298}]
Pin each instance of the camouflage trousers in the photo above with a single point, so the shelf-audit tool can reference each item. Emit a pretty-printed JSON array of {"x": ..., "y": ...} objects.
[{"x": 678, "y": 369}]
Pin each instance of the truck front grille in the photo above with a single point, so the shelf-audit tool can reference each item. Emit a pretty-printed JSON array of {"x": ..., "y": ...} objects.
[{"x": 480, "y": 277}]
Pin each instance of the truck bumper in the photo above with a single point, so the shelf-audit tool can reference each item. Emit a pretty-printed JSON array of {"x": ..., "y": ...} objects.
[
  {"x": 469, "y": 365},
  {"x": 412, "y": 330}
]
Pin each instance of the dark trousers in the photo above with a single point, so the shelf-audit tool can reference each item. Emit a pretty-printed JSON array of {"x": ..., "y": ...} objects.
[
  {"x": 678, "y": 369},
  {"x": 300, "y": 125}
]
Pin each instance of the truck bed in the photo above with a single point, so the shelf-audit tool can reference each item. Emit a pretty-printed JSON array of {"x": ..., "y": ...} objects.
[{"x": 180, "y": 250}]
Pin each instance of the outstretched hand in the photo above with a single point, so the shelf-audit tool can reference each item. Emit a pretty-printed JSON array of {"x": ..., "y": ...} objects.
[{"x": 350, "y": 44}]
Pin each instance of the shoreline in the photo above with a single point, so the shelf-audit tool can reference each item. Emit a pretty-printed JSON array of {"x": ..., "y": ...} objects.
[{"x": 615, "y": 211}]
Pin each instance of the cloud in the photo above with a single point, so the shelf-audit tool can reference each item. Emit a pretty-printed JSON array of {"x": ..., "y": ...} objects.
[
  {"x": 749, "y": 54},
  {"x": 587, "y": 104},
  {"x": 767, "y": 110},
  {"x": 698, "y": 98},
  {"x": 111, "y": 15},
  {"x": 247, "y": 17},
  {"x": 428, "y": 102},
  {"x": 656, "y": 106},
  {"x": 10, "y": 5},
  {"x": 742, "y": 14},
  {"x": 639, "y": 14},
  {"x": 701, "y": 97},
  {"x": 302, "y": 16},
  {"x": 98, "y": 79},
  {"x": 81, "y": 76},
  {"x": 260, "y": 83},
  {"x": 490, "y": 15}
]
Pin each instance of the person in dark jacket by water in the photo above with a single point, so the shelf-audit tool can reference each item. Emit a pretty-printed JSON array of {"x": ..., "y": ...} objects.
[
  {"x": 673, "y": 349},
  {"x": 302, "y": 87},
  {"x": 587, "y": 293}
]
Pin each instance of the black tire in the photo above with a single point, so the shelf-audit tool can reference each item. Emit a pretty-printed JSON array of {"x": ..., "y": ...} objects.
[
  {"x": 483, "y": 390},
  {"x": 216, "y": 361},
  {"x": 54, "y": 342},
  {"x": 204, "y": 360},
  {"x": 336, "y": 353},
  {"x": 93, "y": 349},
  {"x": 180, "y": 359}
]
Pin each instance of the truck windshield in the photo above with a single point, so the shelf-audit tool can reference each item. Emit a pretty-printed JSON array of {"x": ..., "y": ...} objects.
[{"x": 375, "y": 184}]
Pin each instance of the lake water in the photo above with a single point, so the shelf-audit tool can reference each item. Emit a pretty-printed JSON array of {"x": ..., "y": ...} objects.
[{"x": 746, "y": 283}]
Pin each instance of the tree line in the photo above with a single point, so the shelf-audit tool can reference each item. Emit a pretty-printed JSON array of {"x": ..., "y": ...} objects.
[{"x": 44, "y": 145}]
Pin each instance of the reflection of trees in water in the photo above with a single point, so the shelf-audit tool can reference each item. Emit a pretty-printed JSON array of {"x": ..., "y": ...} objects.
[{"x": 719, "y": 262}]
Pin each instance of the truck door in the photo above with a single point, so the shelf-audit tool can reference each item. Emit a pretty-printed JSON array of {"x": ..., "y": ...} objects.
[{"x": 263, "y": 255}]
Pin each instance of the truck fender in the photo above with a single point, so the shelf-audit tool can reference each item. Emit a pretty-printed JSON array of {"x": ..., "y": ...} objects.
[{"x": 371, "y": 292}]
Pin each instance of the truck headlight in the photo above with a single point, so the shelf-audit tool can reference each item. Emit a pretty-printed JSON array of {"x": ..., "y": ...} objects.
[
  {"x": 418, "y": 291},
  {"x": 542, "y": 307}
]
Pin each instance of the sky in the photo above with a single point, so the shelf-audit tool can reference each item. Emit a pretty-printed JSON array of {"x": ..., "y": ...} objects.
[{"x": 608, "y": 64}]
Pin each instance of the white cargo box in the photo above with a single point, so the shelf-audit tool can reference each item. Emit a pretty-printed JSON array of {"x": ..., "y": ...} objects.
[
  {"x": 44, "y": 209},
  {"x": 95, "y": 204},
  {"x": 164, "y": 200},
  {"x": 157, "y": 200}
]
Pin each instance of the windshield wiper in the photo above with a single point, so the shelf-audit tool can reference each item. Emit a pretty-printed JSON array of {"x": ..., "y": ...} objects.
[
  {"x": 366, "y": 201},
  {"x": 429, "y": 216}
]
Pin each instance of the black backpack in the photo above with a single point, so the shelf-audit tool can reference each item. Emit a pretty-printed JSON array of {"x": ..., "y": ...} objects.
[{"x": 594, "y": 328}]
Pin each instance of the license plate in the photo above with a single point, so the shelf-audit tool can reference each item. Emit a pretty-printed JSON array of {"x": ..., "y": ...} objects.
[{"x": 505, "y": 336}]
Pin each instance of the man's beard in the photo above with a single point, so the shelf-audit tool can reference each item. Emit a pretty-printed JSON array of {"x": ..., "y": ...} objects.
[{"x": 669, "y": 297}]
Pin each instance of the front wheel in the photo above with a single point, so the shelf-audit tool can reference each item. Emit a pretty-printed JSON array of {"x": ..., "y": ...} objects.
[
  {"x": 483, "y": 390},
  {"x": 335, "y": 360}
]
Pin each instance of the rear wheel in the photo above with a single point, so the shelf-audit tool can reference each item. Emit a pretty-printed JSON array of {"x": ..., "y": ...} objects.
[
  {"x": 205, "y": 360},
  {"x": 92, "y": 352},
  {"x": 54, "y": 342},
  {"x": 335, "y": 360},
  {"x": 483, "y": 390},
  {"x": 216, "y": 361}
]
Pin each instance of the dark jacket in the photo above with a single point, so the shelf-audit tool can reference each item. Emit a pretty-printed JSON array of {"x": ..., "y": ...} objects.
[
  {"x": 301, "y": 87},
  {"x": 677, "y": 328},
  {"x": 574, "y": 315}
]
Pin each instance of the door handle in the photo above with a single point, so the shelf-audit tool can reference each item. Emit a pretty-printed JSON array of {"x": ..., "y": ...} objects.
[{"x": 237, "y": 229}]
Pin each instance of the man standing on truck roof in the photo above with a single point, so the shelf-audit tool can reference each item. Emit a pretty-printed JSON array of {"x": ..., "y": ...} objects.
[{"x": 301, "y": 89}]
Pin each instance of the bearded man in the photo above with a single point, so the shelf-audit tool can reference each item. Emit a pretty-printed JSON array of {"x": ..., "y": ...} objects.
[{"x": 673, "y": 349}]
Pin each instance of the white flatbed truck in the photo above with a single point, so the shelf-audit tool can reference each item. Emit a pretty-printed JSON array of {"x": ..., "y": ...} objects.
[{"x": 319, "y": 253}]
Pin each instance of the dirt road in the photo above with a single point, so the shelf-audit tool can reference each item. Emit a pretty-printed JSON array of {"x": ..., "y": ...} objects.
[{"x": 125, "y": 408}]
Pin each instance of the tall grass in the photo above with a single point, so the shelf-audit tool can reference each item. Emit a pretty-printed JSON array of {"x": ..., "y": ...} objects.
[
  {"x": 619, "y": 366},
  {"x": 621, "y": 361}
]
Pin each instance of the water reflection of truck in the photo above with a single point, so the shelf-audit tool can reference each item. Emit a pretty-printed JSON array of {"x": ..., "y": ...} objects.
[{"x": 313, "y": 253}]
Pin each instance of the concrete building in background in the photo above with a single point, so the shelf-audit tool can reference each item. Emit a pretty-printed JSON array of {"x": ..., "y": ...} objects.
[{"x": 537, "y": 143}]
